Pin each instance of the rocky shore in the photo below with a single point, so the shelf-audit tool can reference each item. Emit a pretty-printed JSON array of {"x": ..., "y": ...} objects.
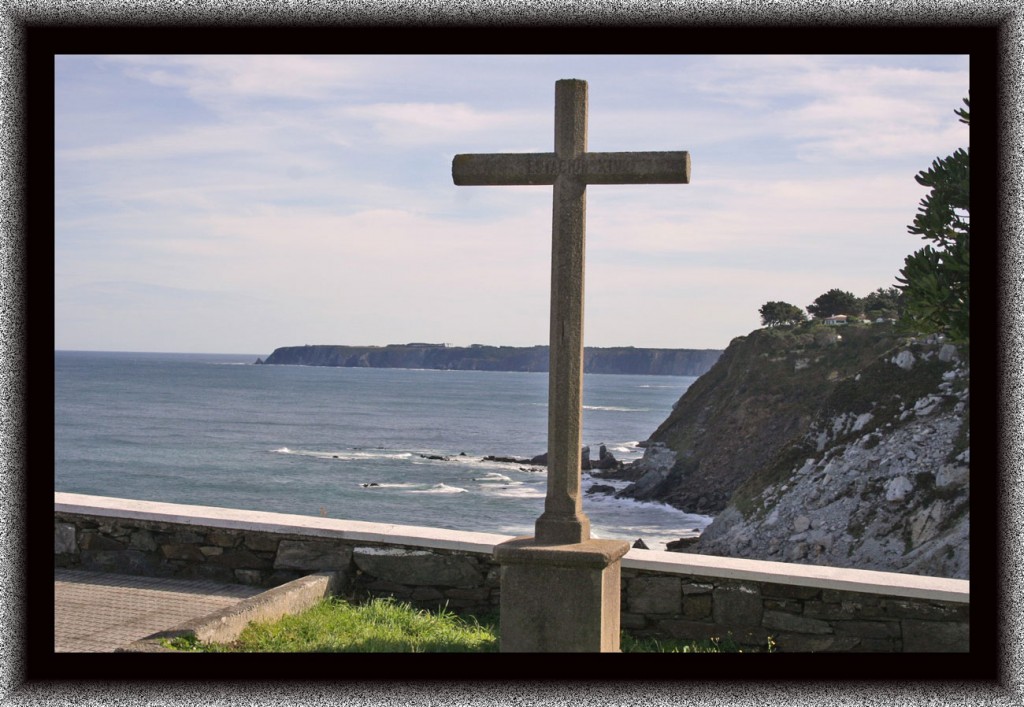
[{"x": 875, "y": 476}]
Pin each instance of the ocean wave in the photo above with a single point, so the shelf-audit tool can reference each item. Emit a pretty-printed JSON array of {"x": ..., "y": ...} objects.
[
  {"x": 494, "y": 476},
  {"x": 442, "y": 488},
  {"x": 375, "y": 485},
  {"x": 520, "y": 491},
  {"x": 348, "y": 455},
  {"x": 613, "y": 408}
]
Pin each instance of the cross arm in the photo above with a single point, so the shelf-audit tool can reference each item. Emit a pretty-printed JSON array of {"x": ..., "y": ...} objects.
[
  {"x": 505, "y": 169},
  {"x": 635, "y": 167}
]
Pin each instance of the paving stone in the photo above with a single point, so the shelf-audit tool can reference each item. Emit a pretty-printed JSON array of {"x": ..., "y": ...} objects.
[{"x": 96, "y": 612}]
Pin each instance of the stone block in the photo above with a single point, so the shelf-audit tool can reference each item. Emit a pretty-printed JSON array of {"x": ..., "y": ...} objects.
[
  {"x": 189, "y": 553},
  {"x": 240, "y": 558},
  {"x": 223, "y": 538},
  {"x": 418, "y": 567},
  {"x": 216, "y": 573},
  {"x": 877, "y": 645},
  {"x": 99, "y": 543},
  {"x": 312, "y": 555},
  {"x": 683, "y": 630},
  {"x": 64, "y": 539},
  {"x": 935, "y": 636},
  {"x": 251, "y": 577},
  {"x": 804, "y": 643},
  {"x": 697, "y": 606},
  {"x": 923, "y": 610},
  {"x": 738, "y": 605},
  {"x": 782, "y": 621},
  {"x": 790, "y": 606},
  {"x": 789, "y": 591},
  {"x": 262, "y": 542},
  {"x": 186, "y": 537},
  {"x": 560, "y": 598},
  {"x": 143, "y": 540},
  {"x": 471, "y": 594},
  {"x": 381, "y": 587},
  {"x": 279, "y": 577},
  {"x": 210, "y": 550},
  {"x": 691, "y": 588},
  {"x": 426, "y": 593},
  {"x": 100, "y": 560},
  {"x": 845, "y": 610},
  {"x": 868, "y": 629},
  {"x": 654, "y": 595}
]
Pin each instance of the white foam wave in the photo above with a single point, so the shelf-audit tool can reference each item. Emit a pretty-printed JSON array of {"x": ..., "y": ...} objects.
[
  {"x": 520, "y": 491},
  {"x": 493, "y": 476},
  {"x": 614, "y": 408},
  {"x": 442, "y": 488},
  {"x": 375, "y": 485},
  {"x": 347, "y": 455}
]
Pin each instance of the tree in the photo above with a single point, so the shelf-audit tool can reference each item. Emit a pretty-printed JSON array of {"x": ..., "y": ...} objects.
[
  {"x": 776, "y": 313},
  {"x": 936, "y": 279},
  {"x": 886, "y": 303},
  {"x": 835, "y": 302}
]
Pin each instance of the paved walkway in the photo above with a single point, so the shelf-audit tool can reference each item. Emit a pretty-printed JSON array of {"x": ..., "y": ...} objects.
[{"x": 96, "y": 612}]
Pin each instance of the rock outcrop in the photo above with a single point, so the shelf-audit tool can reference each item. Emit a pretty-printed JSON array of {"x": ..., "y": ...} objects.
[
  {"x": 621, "y": 360},
  {"x": 834, "y": 446},
  {"x": 761, "y": 394},
  {"x": 884, "y": 485}
]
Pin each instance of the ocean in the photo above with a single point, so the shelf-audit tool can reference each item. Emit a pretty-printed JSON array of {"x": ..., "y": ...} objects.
[{"x": 372, "y": 444}]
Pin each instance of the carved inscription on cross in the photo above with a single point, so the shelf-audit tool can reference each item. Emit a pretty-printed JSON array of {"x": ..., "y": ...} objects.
[{"x": 570, "y": 168}]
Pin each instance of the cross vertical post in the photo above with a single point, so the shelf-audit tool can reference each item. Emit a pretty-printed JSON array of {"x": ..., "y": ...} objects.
[
  {"x": 563, "y": 520},
  {"x": 562, "y": 572}
]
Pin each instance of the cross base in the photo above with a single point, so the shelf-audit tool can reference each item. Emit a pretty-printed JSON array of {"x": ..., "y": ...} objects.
[
  {"x": 553, "y": 529},
  {"x": 562, "y": 598}
]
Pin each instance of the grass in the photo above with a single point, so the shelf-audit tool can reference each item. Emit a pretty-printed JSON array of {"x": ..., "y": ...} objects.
[
  {"x": 386, "y": 626},
  {"x": 378, "y": 626}
]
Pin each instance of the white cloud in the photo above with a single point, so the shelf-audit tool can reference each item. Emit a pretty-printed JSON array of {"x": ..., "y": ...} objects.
[{"x": 213, "y": 79}]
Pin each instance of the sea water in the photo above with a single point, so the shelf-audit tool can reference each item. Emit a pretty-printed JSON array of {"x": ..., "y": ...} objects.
[{"x": 371, "y": 444}]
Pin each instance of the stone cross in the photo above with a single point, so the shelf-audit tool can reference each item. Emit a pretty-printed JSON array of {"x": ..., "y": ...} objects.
[{"x": 570, "y": 168}]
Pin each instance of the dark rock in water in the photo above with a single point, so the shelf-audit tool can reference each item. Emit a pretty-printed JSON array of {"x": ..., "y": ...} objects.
[
  {"x": 542, "y": 459},
  {"x": 259, "y": 362},
  {"x": 681, "y": 544},
  {"x": 606, "y": 460},
  {"x": 507, "y": 460},
  {"x": 640, "y": 544},
  {"x": 462, "y": 454},
  {"x": 372, "y": 483},
  {"x": 435, "y": 457},
  {"x": 601, "y": 488}
]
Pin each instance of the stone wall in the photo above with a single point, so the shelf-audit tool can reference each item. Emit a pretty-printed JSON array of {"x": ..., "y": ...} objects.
[
  {"x": 797, "y": 618},
  {"x": 427, "y": 578},
  {"x": 667, "y": 595}
]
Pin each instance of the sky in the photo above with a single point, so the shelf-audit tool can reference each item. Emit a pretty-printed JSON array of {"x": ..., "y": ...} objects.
[{"x": 235, "y": 204}]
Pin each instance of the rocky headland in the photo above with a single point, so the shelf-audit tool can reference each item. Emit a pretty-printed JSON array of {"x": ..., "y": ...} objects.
[
  {"x": 534, "y": 359},
  {"x": 843, "y": 446}
]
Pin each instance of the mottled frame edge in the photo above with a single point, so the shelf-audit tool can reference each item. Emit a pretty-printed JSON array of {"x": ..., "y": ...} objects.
[{"x": 13, "y": 347}]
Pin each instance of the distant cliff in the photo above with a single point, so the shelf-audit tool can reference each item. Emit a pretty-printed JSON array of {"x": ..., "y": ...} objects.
[
  {"x": 622, "y": 360},
  {"x": 846, "y": 446}
]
